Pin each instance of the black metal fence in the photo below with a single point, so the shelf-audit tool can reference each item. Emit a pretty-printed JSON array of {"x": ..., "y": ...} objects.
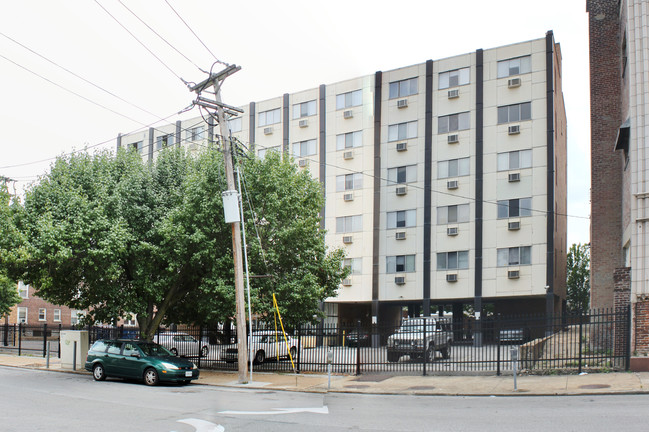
[{"x": 594, "y": 340}]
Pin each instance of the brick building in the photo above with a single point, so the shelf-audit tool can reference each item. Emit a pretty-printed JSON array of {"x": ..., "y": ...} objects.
[{"x": 34, "y": 311}]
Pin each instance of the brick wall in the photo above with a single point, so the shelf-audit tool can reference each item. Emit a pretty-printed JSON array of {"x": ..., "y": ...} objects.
[
  {"x": 640, "y": 340},
  {"x": 33, "y": 304},
  {"x": 622, "y": 295}
]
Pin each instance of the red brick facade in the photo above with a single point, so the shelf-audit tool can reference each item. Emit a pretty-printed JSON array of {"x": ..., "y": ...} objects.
[
  {"x": 34, "y": 306},
  {"x": 640, "y": 340},
  {"x": 622, "y": 295}
]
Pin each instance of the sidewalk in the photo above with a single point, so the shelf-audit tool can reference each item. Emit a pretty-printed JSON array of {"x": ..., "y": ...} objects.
[{"x": 527, "y": 385}]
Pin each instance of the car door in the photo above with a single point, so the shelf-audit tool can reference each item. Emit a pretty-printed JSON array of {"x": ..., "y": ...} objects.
[
  {"x": 133, "y": 361},
  {"x": 112, "y": 357}
]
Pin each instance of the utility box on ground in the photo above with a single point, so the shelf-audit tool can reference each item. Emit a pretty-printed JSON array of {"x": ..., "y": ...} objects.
[{"x": 68, "y": 339}]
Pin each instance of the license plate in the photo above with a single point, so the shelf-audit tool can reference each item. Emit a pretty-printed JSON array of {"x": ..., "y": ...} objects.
[{"x": 188, "y": 374}]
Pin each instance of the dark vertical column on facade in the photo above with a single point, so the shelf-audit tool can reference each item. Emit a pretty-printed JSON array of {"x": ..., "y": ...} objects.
[
  {"x": 150, "y": 144},
  {"x": 178, "y": 130},
  {"x": 285, "y": 123},
  {"x": 210, "y": 130},
  {"x": 479, "y": 177},
  {"x": 428, "y": 178},
  {"x": 549, "y": 260},
  {"x": 323, "y": 148},
  {"x": 251, "y": 127},
  {"x": 376, "y": 218},
  {"x": 119, "y": 141}
]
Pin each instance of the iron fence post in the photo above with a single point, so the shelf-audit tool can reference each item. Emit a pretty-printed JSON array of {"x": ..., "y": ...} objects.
[
  {"x": 299, "y": 346},
  {"x": 358, "y": 348},
  {"x": 5, "y": 339},
  {"x": 44, "y": 339},
  {"x": 424, "y": 347},
  {"x": 581, "y": 340},
  {"x": 59, "y": 341},
  {"x": 628, "y": 337},
  {"x": 200, "y": 344},
  {"x": 20, "y": 337},
  {"x": 497, "y": 326}
]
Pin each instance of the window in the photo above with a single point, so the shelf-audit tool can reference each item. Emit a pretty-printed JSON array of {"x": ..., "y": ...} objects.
[
  {"x": 453, "y": 122},
  {"x": 42, "y": 314},
  {"x": 400, "y": 264},
  {"x": 514, "y": 208},
  {"x": 402, "y": 219},
  {"x": 130, "y": 349},
  {"x": 349, "y": 182},
  {"x": 453, "y": 168},
  {"x": 57, "y": 315},
  {"x": 137, "y": 146},
  {"x": 403, "y": 88},
  {"x": 164, "y": 141},
  {"x": 196, "y": 133},
  {"x": 349, "y": 140},
  {"x": 453, "y": 260},
  {"x": 516, "y": 112},
  {"x": 76, "y": 316},
  {"x": 454, "y": 78},
  {"x": 22, "y": 315},
  {"x": 263, "y": 151},
  {"x": 515, "y": 66},
  {"x": 269, "y": 117},
  {"x": 114, "y": 347},
  {"x": 304, "y": 109},
  {"x": 514, "y": 256},
  {"x": 402, "y": 131},
  {"x": 350, "y": 99},
  {"x": 514, "y": 160},
  {"x": 354, "y": 264},
  {"x": 403, "y": 174},
  {"x": 235, "y": 124},
  {"x": 304, "y": 148},
  {"x": 23, "y": 290},
  {"x": 453, "y": 214},
  {"x": 347, "y": 224}
]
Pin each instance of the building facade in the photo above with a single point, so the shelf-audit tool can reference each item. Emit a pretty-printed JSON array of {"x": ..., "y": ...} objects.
[
  {"x": 34, "y": 311},
  {"x": 445, "y": 181},
  {"x": 619, "y": 80}
]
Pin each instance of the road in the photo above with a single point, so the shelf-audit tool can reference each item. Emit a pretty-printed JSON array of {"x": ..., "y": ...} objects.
[{"x": 34, "y": 400}]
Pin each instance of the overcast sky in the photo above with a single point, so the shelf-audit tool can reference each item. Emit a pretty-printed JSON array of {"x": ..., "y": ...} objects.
[{"x": 282, "y": 46}]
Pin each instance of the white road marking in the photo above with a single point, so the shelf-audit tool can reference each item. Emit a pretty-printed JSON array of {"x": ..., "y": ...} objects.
[
  {"x": 323, "y": 410},
  {"x": 202, "y": 425}
]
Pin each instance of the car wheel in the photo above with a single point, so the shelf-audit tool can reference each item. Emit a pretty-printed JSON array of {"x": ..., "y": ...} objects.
[
  {"x": 393, "y": 357},
  {"x": 174, "y": 351},
  {"x": 205, "y": 351},
  {"x": 260, "y": 357},
  {"x": 98, "y": 372},
  {"x": 446, "y": 352},
  {"x": 186, "y": 382},
  {"x": 293, "y": 352},
  {"x": 151, "y": 377}
]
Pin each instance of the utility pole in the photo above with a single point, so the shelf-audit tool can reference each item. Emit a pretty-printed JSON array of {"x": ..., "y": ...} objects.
[{"x": 215, "y": 80}]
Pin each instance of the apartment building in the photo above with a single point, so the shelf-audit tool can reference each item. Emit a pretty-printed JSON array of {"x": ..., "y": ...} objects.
[
  {"x": 445, "y": 181},
  {"x": 34, "y": 311}
]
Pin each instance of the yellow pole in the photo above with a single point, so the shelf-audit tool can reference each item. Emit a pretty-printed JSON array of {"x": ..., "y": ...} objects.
[{"x": 290, "y": 356}]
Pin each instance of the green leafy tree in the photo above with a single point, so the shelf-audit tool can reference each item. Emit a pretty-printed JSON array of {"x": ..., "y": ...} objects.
[
  {"x": 119, "y": 236},
  {"x": 9, "y": 240},
  {"x": 578, "y": 277}
]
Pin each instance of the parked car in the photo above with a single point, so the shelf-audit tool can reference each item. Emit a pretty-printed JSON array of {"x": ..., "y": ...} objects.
[
  {"x": 266, "y": 345},
  {"x": 410, "y": 340},
  {"x": 137, "y": 359},
  {"x": 356, "y": 338},
  {"x": 182, "y": 344}
]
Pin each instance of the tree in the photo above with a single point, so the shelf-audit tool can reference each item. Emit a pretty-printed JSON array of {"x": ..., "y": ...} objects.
[
  {"x": 9, "y": 238},
  {"x": 578, "y": 277},
  {"x": 119, "y": 236}
]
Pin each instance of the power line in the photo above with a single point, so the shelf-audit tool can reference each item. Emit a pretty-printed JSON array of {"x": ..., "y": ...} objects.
[{"x": 199, "y": 39}]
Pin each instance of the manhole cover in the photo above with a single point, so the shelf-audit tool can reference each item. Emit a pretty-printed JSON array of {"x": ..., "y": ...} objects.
[
  {"x": 357, "y": 386},
  {"x": 372, "y": 378},
  {"x": 594, "y": 386},
  {"x": 421, "y": 388}
]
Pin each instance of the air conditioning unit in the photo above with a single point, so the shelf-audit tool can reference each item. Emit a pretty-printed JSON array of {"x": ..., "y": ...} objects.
[
  {"x": 402, "y": 146},
  {"x": 401, "y": 190},
  {"x": 512, "y": 226},
  {"x": 514, "y": 82},
  {"x": 400, "y": 235},
  {"x": 348, "y": 197},
  {"x": 347, "y": 282},
  {"x": 513, "y": 130},
  {"x": 451, "y": 184},
  {"x": 304, "y": 123},
  {"x": 268, "y": 130},
  {"x": 451, "y": 277},
  {"x": 513, "y": 274},
  {"x": 455, "y": 93},
  {"x": 452, "y": 231},
  {"x": 400, "y": 280},
  {"x": 402, "y": 103},
  {"x": 303, "y": 162},
  {"x": 515, "y": 177},
  {"x": 454, "y": 138},
  {"x": 347, "y": 239},
  {"x": 348, "y": 155},
  {"x": 348, "y": 114}
]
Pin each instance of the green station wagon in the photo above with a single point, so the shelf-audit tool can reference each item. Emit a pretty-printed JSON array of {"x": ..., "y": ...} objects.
[{"x": 138, "y": 359}]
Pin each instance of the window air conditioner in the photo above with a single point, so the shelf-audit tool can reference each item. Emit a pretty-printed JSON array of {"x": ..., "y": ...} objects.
[
  {"x": 512, "y": 226},
  {"x": 302, "y": 162},
  {"x": 348, "y": 114},
  {"x": 304, "y": 123},
  {"x": 348, "y": 197},
  {"x": 452, "y": 231},
  {"x": 399, "y": 280},
  {"x": 402, "y": 103},
  {"x": 268, "y": 130},
  {"x": 401, "y": 190},
  {"x": 514, "y": 82},
  {"x": 400, "y": 235},
  {"x": 347, "y": 239},
  {"x": 402, "y": 146},
  {"x": 348, "y": 155},
  {"x": 514, "y": 177},
  {"x": 513, "y": 274},
  {"x": 452, "y": 277},
  {"x": 347, "y": 282},
  {"x": 455, "y": 93},
  {"x": 513, "y": 130},
  {"x": 452, "y": 139},
  {"x": 451, "y": 184}
]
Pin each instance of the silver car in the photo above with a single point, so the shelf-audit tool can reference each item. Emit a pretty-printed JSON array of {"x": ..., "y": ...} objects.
[{"x": 182, "y": 344}]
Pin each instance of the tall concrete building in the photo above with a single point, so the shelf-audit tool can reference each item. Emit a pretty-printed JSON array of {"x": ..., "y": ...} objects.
[
  {"x": 619, "y": 99},
  {"x": 445, "y": 181}
]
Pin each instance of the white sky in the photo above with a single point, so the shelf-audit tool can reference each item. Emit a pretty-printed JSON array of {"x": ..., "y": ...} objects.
[{"x": 283, "y": 47}]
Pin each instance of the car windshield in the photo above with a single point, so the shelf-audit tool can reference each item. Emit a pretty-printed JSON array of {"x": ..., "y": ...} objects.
[
  {"x": 154, "y": 350},
  {"x": 416, "y": 327}
]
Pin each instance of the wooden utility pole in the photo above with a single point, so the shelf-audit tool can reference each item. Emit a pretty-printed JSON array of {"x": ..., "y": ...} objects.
[{"x": 215, "y": 80}]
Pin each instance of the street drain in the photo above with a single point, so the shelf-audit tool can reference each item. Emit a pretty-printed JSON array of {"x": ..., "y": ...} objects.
[{"x": 594, "y": 386}]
